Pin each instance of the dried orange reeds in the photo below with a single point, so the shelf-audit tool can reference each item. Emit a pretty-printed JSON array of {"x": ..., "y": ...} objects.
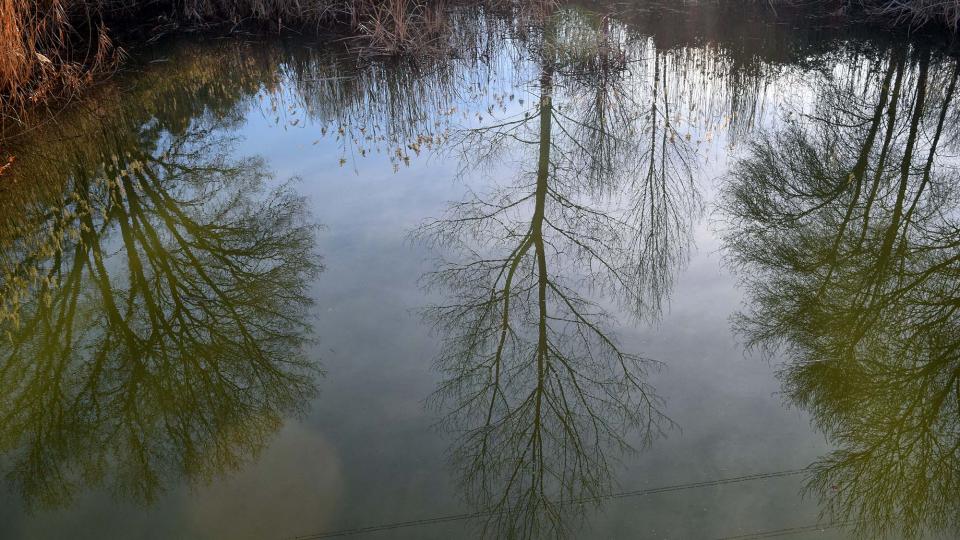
[
  {"x": 395, "y": 26},
  {"x": 37, "y": 59}
]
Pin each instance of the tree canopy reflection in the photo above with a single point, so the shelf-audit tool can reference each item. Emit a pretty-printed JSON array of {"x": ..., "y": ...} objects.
[
  {"x": 847, "y": 232},
  {"x": 541, "y": 395},
  {"x": 153, "y": 312}
]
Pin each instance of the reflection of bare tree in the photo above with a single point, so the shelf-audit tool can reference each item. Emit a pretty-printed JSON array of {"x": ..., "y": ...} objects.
[
  {"x": 535, "y": 383},
  {"x": 154, "y": 317},
  {"x": 849, "y": 237}
]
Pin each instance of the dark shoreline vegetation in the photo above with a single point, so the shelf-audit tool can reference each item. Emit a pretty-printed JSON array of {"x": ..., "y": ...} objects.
[{"x": 50, "y": 50}]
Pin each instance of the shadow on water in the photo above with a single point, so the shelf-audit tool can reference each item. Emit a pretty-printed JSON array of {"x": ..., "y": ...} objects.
[{"x": 846, "y": 228}]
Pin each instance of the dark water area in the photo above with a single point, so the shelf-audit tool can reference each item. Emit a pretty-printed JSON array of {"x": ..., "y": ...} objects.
[{"x": 620, "y": 272}]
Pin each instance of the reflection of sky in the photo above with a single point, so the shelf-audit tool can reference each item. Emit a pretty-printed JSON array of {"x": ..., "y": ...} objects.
[
  {"x": 366, "y": 453},
  {"x": 378, "y": 359}
]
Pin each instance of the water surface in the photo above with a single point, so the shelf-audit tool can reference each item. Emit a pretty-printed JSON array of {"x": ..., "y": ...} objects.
[{"x": 617, "y": 273}]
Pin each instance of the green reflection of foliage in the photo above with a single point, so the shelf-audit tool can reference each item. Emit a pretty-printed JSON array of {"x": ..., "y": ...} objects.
[
  {"x": 154, "y": 302},
  {"x": 847, "y": 232},
  {"x": 542, "y": 397}
]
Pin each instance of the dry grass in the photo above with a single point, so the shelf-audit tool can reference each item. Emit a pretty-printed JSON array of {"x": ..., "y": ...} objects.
[
  {"x": 916, "y": 12},
  {"x": 41, "y": 54},
  {"x": 398, "y": 26}
]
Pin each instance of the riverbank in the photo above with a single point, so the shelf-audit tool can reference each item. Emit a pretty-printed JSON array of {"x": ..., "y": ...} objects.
[{"x": 52, "y": 50}]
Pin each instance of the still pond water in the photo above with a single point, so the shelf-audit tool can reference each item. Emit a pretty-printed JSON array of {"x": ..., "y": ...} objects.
[{"x": 511, "y": 288}]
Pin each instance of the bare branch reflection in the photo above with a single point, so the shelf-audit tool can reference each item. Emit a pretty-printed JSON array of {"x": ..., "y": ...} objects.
[{"x": 542, "y": 396}]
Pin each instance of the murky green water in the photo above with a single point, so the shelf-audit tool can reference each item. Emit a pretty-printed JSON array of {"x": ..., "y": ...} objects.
[{"x": 623, "y": 274}]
